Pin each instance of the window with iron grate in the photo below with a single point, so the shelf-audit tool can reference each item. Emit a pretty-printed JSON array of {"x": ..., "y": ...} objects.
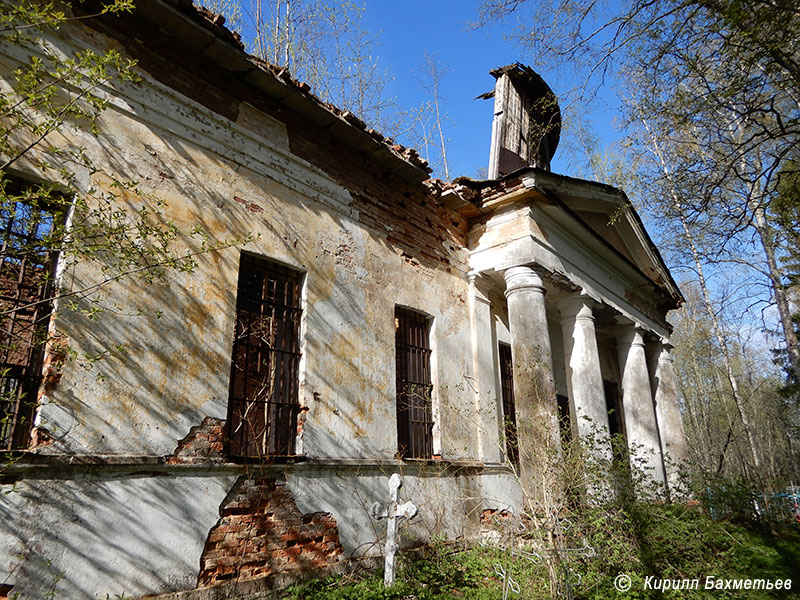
[
  {"x": 414, "y": 387},
  {"x": 263, "y": 401},
  {"x": 564, "y": 420},
  {"x": 509, "y": 407},
  {"x": 26, "y": 267}
]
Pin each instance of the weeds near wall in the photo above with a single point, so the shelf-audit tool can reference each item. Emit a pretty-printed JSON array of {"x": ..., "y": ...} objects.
[{"x": 631, "y": 535}]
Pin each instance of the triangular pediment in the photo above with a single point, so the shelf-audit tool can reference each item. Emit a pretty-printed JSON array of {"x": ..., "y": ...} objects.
[
  {"x": 596, "y": 217},
  {"x": 607, "y": 212}
]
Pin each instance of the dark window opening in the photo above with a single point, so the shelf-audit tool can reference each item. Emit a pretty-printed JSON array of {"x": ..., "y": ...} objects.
[
  {"x": 263, "y": 401},
  {"x": 509, "y": 407},
  {"x": 26, "y": 268},
  {"x": 414, "y": 387},
  {"x": 564, "y": 420},
  {"x": 616, "y": 427}
]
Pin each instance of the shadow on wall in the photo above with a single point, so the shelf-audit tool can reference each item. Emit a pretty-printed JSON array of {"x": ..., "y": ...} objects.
[
  {"x": 449, "y": 503},
  {"x": 160, "y": 361},
  {"x": 107, "y": 533},
  {"x": 171, "y": 340}
]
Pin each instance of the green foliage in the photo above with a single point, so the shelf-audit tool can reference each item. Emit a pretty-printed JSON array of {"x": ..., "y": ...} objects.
[
  {"x": 613, "y": 508},
  {"x": 718, "y": 444},
  {"x": 677, "y": 542},
  {"x": 52, "y": 89},
  {"x": 444, "y": 573},
  {"x": 786, "y": 212},
  {"x": 640, "y": 540},
  {"x": 110, "y": 221},
  {"x": 66, "y": 203}
]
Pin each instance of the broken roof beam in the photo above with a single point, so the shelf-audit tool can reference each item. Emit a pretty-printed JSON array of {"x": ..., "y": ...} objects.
[{"x": 527, "y": 121}]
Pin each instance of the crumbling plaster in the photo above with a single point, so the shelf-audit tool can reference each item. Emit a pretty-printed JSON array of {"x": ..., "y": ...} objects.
[
  {"x": 164, "y": 374},
  {"x": 155, "y": 362},
  {"x": 367, "y": 239}
]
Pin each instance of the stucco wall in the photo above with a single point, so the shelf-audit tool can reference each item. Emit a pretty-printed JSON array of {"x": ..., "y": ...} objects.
[
  {"x": 155, "y": 361},
  {"x": 165, "y": 345},
  {"x": 89, "y": 535}
]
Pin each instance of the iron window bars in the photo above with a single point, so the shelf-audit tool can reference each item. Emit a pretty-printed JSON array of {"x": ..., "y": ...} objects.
[
  {"x": 25, "y": 284},
  {"x": 263, "y": 401},
  {"x": 414, "y": 387},
  {"x": 509, "y": 407}
]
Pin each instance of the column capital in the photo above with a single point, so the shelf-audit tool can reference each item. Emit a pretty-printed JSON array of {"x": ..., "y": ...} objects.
[
  {"x": 666, "y": 344},
  {"x": 520, "y": 279},
  {"x": 630, "y": 333},
  {"x": 665, "y": 353},
  {"x": 576, "y": 306}
]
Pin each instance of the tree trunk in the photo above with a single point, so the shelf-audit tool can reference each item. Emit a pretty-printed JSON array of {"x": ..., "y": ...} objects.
[
  {"x": 782, "y": 302},
  {"x": 737, "y": 396},
  {"x": 717, "y": 330}
]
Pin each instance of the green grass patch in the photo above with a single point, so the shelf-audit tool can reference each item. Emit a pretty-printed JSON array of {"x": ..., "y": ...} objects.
[{"x": 662, "y": 541}]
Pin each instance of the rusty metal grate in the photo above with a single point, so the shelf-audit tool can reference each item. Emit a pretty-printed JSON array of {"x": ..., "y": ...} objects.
[
  {"x": 564, "y": 420},
  {"x": 25, "y": 268},
  {"x": 414, "y": 387},
  {"x": 263, "y": 400},
  {"x": 509, "y": 407}
]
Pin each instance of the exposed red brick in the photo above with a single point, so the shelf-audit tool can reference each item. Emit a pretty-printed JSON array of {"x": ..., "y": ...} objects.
[
  {"x": 56, "y": 354},
  {"x": 203, "y": 444},
  {"x": 251, "y": 206},
  {"x": 40, "y": 436},
  {"x": 408, "y": 215},
  {"x": 261, "y": 531},
  {"x": 488, "y": 514}
]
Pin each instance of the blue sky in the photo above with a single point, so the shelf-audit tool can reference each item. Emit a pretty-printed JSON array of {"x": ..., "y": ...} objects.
[
  {"x": 410, "y": 28},
  {"x": 407, "y": 29}
]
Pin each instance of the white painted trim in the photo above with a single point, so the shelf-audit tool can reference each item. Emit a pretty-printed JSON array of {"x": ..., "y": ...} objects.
[{"x": 598, "y": 259}]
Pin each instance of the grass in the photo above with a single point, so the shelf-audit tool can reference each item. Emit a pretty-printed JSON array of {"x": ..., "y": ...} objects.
[{"x": 663, "y": 541}]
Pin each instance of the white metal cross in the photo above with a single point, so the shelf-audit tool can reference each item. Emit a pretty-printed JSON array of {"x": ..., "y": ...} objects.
[{"x": 391, "y": 513}]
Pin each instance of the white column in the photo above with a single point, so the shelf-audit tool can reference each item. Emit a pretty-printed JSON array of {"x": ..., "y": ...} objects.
[
  {"x": 584, "y": 379},
  {"x": 484, "y": 352},
  {"x": 670, "y": 423},
  {"x": 641, "y": 428},
  {"x": 534, "y": 390}
]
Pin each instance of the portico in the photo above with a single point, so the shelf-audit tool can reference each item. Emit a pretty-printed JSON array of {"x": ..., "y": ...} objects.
[{"x": 564, "y": 264}]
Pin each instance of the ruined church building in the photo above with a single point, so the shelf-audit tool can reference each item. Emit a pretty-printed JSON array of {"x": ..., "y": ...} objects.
[{"x": 377, "y": 322}]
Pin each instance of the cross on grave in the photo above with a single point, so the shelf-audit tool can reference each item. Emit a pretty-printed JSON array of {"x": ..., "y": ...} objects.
[
  {"x": 512, "y": 528},
  {"x": 569, "y": 579},
  {"x": 392, "y": 512}
]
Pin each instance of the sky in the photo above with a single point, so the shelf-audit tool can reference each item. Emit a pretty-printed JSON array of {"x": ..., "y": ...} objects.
[
  {"x": 410, "y": 28},
  {"x": 407, "y": 30}
]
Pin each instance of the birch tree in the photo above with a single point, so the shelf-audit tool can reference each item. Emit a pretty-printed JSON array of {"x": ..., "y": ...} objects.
[
  {"x": 719, "y": 80},
  {"x": 322, "y": 43}
]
